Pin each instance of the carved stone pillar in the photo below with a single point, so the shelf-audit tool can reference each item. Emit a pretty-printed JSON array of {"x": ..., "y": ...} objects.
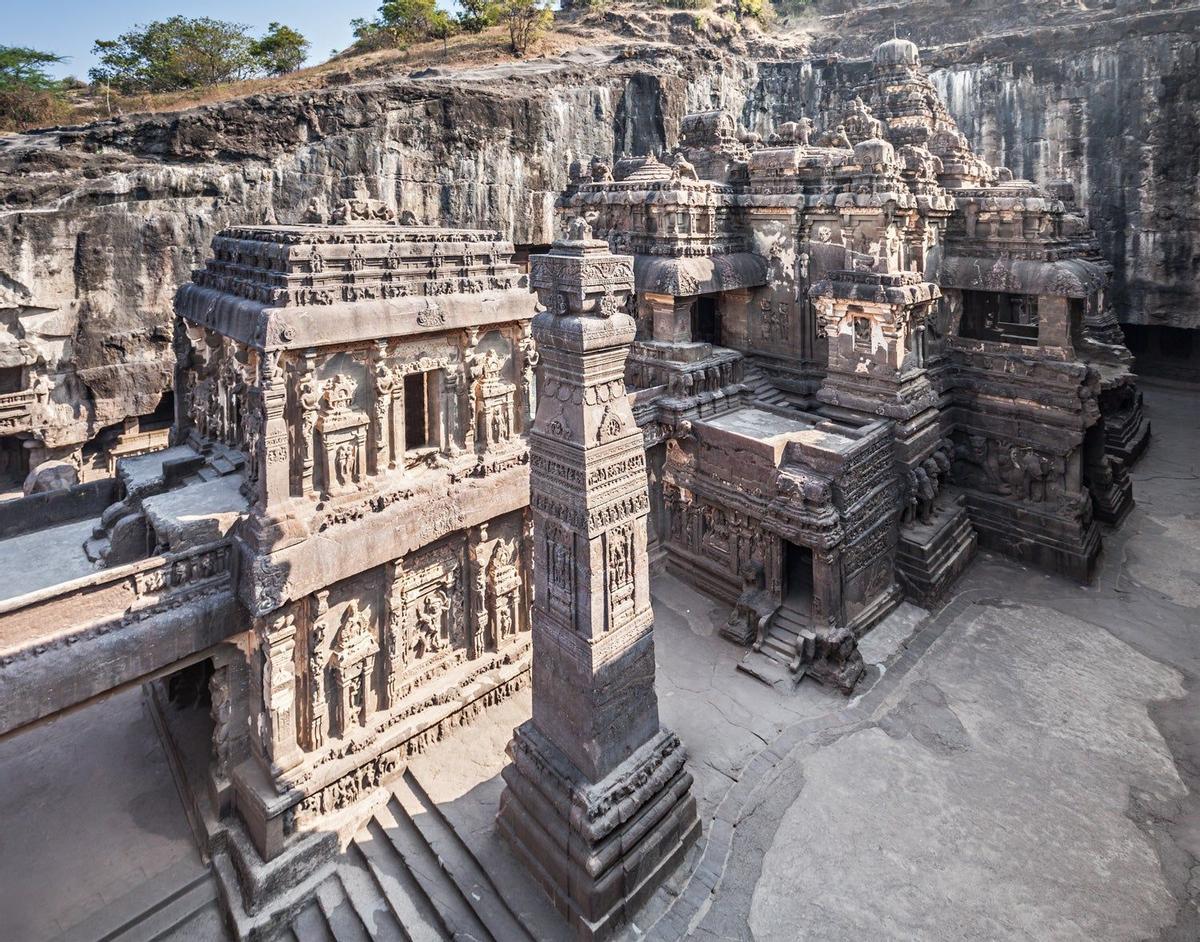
[
  {"x": 528, "y": 363},
  {"x": 466, "y": 388},
  {"x": 393, "y": 635},
  {"x": 672, "y": 318},
  {"x": 597, "y": 800},
  {"x": 315, "y": 679},
  {"x": 382, "y": 423},
  {"x": 274, "y": 458},
  {"x": 308, "y": 406},
  {"x": 228, "y": 709},
  {"x": 276, "y": 726}
]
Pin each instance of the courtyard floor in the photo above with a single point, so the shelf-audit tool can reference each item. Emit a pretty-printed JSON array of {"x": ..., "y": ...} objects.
[{"x": 1022, "y": 764}]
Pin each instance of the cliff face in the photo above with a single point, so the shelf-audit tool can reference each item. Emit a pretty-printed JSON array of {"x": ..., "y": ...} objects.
[
  {"x": 100, "y": 224},
  {"x": 1120, "y": 119}
]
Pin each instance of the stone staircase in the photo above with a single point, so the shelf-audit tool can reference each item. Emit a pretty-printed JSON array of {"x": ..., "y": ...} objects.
[
  {"x": 408, "y": 875},
  {"x": 761, "y": 388},
  {"x": 788, "y": 627}
]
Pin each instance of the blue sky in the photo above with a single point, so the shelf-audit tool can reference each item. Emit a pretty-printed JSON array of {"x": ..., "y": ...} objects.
[{"x": 69, "y": 27}]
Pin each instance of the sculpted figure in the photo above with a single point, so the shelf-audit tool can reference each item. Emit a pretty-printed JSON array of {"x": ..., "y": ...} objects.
[
  {"x": 343, "y": 463},
  {"x": 908, "y": 514},
  {"x": 926, "y": 493},
  {"x": 41, "y": 389},
  {"x": 579, "y": 230},
  {"x": 682, "y": 169},
  {"x": 601, "y": 172}
]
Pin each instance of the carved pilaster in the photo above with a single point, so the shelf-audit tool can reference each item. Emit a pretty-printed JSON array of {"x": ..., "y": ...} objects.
[
  {"x": 276, "y": 740},
  {"x": 393, "y": 634},
  {"x": 479, "y": 615},
  {"x": 308, "y": 404},
  {"x": 315, "y": 677},
  {"x": 466, "y": 389},
  {"x": 382, "y": 424},
  {"x": 273, "y": 461}
]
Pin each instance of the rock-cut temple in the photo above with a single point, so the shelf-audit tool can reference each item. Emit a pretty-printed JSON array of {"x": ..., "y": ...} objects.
[{"x": 409, "y": 477}]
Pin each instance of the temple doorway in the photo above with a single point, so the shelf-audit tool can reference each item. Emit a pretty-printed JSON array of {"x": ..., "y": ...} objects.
[
  {"x": 706, "y": 326},
  {"x": 798, "y": 578}
]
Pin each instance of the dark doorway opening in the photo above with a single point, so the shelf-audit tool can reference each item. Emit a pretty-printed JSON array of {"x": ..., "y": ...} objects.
[
  {"x": 706, "y": 326},
  {"x": 798, "y": 577},
  {"x": 416, "y": 411},
  {"x": 1005, "y": 318},
  {"x": 189, "y": 687},
  {"x": 14, "y": 462},
  {"x": 12, "y": 379}
]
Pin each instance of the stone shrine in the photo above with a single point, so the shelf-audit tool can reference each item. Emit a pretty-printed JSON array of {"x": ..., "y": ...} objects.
[{"x": 862, "y": 350}]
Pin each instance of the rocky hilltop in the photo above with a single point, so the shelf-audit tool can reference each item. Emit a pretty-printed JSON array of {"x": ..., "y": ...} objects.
[{"x": 101, "y": 223}]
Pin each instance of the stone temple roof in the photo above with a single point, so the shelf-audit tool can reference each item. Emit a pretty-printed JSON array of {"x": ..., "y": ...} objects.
[
  {"x": 287, "y": 286},
  {"x": 897, "y": 52}
]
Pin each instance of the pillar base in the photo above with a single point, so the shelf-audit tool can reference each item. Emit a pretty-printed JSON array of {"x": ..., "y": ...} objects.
[
  {"x": 599, "y": 850},
  {"x": 930, "y": 557}
]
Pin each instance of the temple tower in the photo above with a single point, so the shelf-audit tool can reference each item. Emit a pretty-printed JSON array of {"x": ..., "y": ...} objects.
[
  {"x": 598, "y": 800},
  {"x": 876, "y": 324}
]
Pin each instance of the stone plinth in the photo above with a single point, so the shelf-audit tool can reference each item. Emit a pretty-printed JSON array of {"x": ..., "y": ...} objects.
[{"x": 597, "y": 800}]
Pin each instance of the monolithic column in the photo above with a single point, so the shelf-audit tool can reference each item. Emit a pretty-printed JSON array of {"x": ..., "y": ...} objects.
[{"x": 597, "y": 800}]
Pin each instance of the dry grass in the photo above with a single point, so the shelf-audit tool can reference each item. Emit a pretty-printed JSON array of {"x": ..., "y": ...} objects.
[{"x": 478, "y": 49}]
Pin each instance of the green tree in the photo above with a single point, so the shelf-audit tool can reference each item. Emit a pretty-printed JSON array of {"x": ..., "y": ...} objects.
[
  {"x": 526, "y": 21},
  {"x": 477, "y": 15},
  {"x": 173, "y": 54},
  {"x": 21, "y": 66},
  {"x": 281, "y": 50},
  {"x": 28, "y": 95},
  {"x": 403, "y": 22}
]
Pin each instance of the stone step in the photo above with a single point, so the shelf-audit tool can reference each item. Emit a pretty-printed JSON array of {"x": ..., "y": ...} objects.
[
  {"x": 779, "y": 648},
  {"x": 769, "y": 671},
  {"x": 416, "y": 912},
  {"x": 458, "y": 862},
  {"x": 791, "y": 618},
  {"x": 453, "y": 909},
  {"x": 222, "y": 465},
  {"x": 160, "y": 921},
  {"x": 207, "y": 473},
  {"x": 311, "y": 926},
  {"x": 373, "y": 909},
  {"x": 340, "y": 915}
]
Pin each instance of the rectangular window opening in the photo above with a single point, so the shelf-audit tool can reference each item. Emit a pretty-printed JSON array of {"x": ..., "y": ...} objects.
[{"x": 417, "y": 431}]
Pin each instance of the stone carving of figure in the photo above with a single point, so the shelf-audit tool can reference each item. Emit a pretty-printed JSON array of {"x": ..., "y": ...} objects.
[
  {"x": 41, "y": 389},
  {"x": 682, "y": 169},
  {"x": 429, "y": 622},
  {"x": 824, "y": 234},
  {"x": 837, "y": 137},
  {"x": 926, "y": 493},
  {"x": 1031, "y": 480},
  {"x": 971, "y": 219},
  {"x": 579, "y": 230},
  {"x": 601, "y": 172},
  {"x": 909, "y": 512},
  {"x": 343, "y": 463}
]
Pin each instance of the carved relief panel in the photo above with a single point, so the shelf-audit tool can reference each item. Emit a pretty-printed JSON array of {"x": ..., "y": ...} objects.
[
  {"x": 560, "y": 570},
  {"x": 426, "y": 626}
]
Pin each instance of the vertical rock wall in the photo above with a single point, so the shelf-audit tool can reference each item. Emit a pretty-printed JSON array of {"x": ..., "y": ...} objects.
[{"x": 1122, "y": 122}]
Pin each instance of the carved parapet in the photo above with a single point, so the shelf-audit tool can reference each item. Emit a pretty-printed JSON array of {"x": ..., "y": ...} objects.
[{"x": 16, "y": 411}]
